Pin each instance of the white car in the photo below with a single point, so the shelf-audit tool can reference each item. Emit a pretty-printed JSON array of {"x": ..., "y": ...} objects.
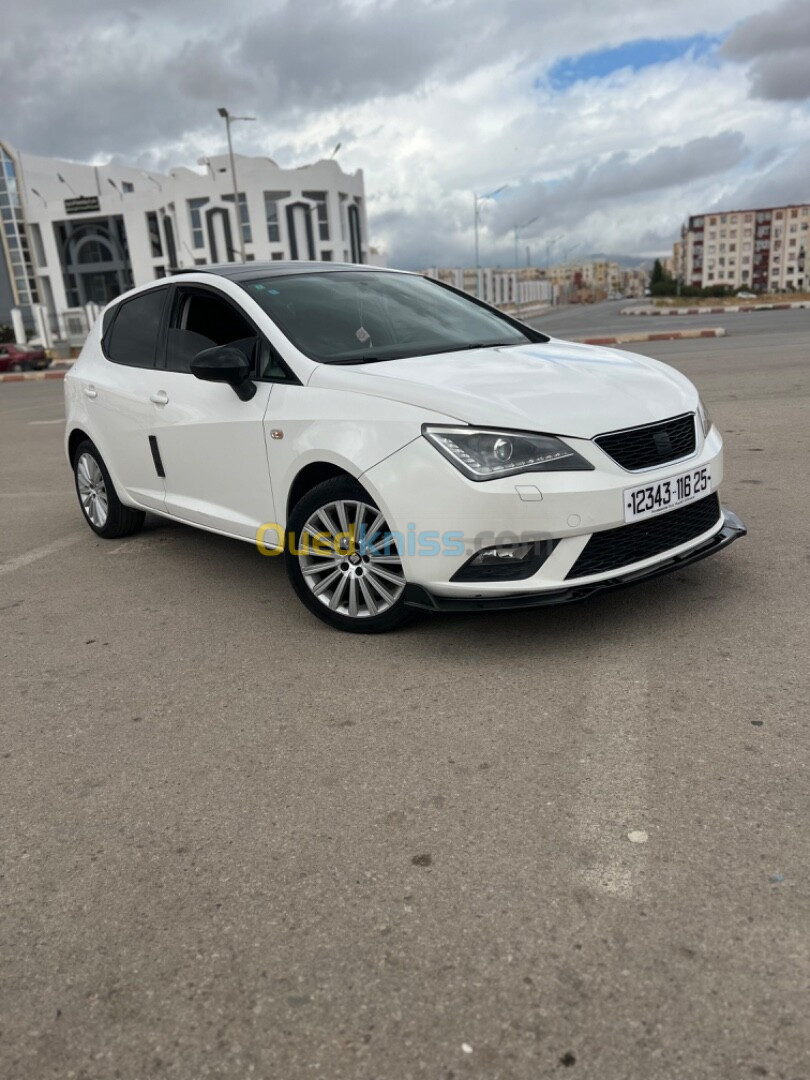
[{"x": 404, "y": 445}]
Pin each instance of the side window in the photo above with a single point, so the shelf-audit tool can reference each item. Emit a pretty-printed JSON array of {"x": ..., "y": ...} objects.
[
  {"x": 200, "y": 320},
  {"x": 134, "y": 334}
]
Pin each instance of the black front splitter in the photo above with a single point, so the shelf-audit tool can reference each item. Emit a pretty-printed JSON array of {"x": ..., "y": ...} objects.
[{"x": 416, "y": 596}]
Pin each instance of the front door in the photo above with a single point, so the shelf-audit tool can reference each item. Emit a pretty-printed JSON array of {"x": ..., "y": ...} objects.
[{"x": 211, "y": 443}]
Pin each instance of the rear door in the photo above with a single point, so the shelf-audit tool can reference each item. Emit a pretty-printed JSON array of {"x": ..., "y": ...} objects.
[
  {"x": 211, "y": 443},
  {"x": 119, "y": 389}
]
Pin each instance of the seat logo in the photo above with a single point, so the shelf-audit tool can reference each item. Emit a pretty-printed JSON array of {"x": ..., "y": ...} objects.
[{"x": 663, "y": 443}]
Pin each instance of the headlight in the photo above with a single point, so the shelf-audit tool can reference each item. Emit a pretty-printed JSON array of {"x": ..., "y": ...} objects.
[
  {"x": 705, "y": 419},
  {"x": 483, "y": 455}
]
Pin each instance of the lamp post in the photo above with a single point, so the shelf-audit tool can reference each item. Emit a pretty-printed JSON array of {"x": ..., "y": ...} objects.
[
  {"x": 477, "y": 199},
  {"x": 226, "y": 116},
  {"x": 518, "y": 228},
  {"x": 549, "y": 247}
]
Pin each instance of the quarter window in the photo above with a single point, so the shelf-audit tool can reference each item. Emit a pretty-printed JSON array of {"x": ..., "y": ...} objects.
[{"x": 134, "y": 335}]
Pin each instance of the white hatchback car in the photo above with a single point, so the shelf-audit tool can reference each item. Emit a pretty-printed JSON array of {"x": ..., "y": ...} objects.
[{"x": 404, "y": 445}]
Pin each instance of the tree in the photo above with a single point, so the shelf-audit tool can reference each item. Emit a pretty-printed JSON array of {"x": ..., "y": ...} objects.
[{"x": 658, "y": 274}]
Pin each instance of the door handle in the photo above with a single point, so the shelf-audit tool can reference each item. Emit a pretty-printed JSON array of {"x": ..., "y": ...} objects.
[
  {"x": 159, "y": 398},
  {"x": 90, "y": 391}
]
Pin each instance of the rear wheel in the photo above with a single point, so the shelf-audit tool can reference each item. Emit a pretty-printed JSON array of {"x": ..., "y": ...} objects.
[
  {"x": 344, "y": 564},
  {"x": 103, "y": 510}
]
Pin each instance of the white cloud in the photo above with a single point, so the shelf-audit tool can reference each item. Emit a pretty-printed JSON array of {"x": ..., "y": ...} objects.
[{"x": 434, "y": 100}]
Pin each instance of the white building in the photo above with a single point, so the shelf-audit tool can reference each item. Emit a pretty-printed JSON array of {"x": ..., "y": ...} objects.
[
  {"x": 74, "y": 236},
  {"x": 502, "y": 288}
]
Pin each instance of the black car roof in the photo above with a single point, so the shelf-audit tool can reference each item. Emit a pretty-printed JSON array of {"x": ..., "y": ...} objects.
[{"x": 248, "y": 271}]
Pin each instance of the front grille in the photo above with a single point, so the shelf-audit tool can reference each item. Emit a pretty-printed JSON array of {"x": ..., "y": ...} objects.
[
  {"x": 614, "y": 548},
  {"x": 654, "y": 444}
]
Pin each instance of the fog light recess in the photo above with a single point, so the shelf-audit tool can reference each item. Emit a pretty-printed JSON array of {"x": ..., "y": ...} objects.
[{"x": 506, "y": 562}]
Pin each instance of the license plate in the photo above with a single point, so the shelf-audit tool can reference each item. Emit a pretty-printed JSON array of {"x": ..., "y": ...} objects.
[{"x": 663, "y": 495}]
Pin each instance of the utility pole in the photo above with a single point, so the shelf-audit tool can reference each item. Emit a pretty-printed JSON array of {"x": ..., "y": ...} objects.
[
  {"x": 517, "y": 229},
  {"x": 226, "y": 116}
]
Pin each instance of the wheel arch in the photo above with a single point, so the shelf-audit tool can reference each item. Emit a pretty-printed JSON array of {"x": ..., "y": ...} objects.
[
  {"x": 316, "y": 472},
  {"x": 76, "y": 437}
]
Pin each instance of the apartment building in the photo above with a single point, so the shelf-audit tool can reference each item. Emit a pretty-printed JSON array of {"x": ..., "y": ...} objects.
[{"x": 763, "y": 250}]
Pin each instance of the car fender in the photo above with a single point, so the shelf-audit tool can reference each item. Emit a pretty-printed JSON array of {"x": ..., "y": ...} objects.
[{"x": 359, "y": 430}]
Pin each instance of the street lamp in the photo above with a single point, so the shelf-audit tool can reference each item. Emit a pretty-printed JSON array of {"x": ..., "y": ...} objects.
[
  {"x": 477, "y": 199},
  {"x": 62, "y": 180},
  {"x": 518, "y": 228},
  {"x": 226, "y": 116},
  {"x": 549, "y": 247}
]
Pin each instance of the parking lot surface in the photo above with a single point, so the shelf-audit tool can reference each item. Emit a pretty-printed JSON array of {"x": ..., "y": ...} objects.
[{"x": 565, "y": 842}]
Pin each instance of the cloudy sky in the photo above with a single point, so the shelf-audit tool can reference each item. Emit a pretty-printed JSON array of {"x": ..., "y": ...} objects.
[{"x": 609, "y": 121}]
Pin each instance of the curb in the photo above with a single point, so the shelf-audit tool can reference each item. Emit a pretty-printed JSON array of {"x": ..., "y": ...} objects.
[
  {"x": 31, "y": 376},
  {"x": 734, "y": 309},
  {"x": 673, "y": 335}
]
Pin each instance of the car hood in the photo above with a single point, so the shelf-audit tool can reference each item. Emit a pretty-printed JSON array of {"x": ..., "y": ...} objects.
[{"x": 555, "y": 386}]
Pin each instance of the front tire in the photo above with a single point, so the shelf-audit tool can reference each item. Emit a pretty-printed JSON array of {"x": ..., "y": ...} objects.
[
  {"x": 342, "y": 560},
  {"x": 103, "y": 510}
]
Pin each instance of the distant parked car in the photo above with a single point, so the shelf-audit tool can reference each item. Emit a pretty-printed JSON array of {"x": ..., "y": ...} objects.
[
  {"x": 22, "y": 357},
  {"x": 743, "y": 295}
]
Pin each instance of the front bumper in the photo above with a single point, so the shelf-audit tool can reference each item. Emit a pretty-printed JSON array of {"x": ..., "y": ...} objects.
[
  {"x": 416, "y": 596},
  {"x": 422, "y": 495}
]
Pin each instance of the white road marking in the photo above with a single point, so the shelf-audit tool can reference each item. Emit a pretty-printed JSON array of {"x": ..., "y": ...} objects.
[
  {"x": 32, "y": 422},
  {"x": 20, "y": 561},
  {"x": 612, "y": 796}
]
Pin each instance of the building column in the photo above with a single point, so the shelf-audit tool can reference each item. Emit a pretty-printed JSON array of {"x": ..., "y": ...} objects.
[{"x": 18, "y": 326}]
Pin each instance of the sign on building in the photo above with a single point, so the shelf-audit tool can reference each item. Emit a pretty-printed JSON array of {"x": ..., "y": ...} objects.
[{"x": 82, "y": 204}]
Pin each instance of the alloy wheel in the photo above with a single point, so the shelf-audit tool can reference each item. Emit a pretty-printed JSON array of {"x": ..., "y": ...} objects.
[
  {"x": 349, "y": 559},
  {"x": 92, "y": 490}
]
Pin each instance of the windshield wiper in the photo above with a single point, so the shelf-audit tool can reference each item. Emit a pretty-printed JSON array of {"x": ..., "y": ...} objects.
[{"x": 474, "y": 345}]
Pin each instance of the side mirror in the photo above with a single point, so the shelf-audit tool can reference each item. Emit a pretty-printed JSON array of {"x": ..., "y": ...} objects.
[{"x": 225, "y": 363}]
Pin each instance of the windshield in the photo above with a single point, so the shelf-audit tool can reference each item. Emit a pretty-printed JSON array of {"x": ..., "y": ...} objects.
[{"x": 357, "y": 316}]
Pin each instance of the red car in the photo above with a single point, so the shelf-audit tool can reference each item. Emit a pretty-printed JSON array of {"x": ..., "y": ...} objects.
[{"x": 22, "y": 357}]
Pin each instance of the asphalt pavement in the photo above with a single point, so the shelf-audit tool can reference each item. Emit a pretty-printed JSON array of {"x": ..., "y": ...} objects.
[{"x": 567, "y": 842}]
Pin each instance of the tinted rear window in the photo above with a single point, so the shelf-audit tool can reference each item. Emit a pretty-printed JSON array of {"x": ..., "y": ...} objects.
[{"x": 134, "y": 334}]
